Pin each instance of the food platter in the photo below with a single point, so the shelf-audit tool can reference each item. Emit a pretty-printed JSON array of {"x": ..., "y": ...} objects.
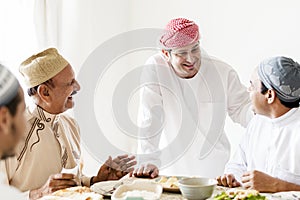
[
  {"x": 106, "y": 188},
  {"x": 77, "y": 192},
  {"x": 284, "y": 195},
  {"x": 139, "y": 189},
  {"x": 169, "y": 183},
  {"x": 239, "y": 193},
  {"x": 291, "y": 195}
]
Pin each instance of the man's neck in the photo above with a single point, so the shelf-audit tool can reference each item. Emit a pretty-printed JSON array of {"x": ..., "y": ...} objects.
[{"x": 278, "y": 111}]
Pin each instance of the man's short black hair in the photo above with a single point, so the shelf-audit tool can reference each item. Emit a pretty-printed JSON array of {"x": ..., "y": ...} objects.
[
  {"x": 32, "y": 91},
  {"x": 294, "y": 104}
]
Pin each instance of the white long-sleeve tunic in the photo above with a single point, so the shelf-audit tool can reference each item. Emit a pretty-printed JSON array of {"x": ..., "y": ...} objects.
[
  {"x": 183, "y": 119},
  {"x": 270, "y": 146}
]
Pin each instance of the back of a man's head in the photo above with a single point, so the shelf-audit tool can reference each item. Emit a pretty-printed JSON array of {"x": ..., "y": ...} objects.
[
  {"x": 283, "y": 75},
  {"x": 9, "y": 87},
  {"x": 12, "y": 121}
]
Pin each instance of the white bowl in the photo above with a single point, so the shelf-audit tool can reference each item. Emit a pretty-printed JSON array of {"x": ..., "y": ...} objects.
[
  {"x": 148, "y": 190},
  {"x": 197, "y": 188}
]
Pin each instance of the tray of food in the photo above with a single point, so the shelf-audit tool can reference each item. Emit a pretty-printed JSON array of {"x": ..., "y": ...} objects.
[
  {"x": 240, "y": 194},
  {"x": 169, "y": 183},
  {"x": 78, "y": 192},
  {"x": 139, "y": 189}
]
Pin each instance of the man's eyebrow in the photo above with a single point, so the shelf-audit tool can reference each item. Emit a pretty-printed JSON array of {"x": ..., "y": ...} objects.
[{"x": 196, "y": 45}]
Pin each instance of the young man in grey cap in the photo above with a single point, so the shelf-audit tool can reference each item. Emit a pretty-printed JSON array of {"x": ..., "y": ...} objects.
[
  {"x": 12, "y": 124},
  {"x": 52, "y": 141},
  {"x": 268, "y": 156}
]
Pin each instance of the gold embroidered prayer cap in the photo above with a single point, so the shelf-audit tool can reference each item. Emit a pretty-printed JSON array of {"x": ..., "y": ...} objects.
[{"x": 41, "y": 67}]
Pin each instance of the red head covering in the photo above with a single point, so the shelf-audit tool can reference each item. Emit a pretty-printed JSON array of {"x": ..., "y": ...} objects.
[{"x": 179, "y": 32}]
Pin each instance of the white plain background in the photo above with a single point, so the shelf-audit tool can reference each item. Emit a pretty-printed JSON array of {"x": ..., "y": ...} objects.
[{"x": 239, "y": 32}]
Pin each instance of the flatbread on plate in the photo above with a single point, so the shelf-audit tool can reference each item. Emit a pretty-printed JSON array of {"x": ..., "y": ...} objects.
[{"x": 75, "y": 193}]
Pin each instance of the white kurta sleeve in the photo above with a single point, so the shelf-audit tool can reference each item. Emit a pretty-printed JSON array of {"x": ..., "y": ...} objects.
[
  {"x": 239, "y": 104},
  {"x": 150, "y": 116},
  {"x": 238, "y": 163}
]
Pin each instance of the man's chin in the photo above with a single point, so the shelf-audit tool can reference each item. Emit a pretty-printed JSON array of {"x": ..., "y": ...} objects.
[
  {"x": 191, "y": 75},
  {"x": 70, "y": 104}
]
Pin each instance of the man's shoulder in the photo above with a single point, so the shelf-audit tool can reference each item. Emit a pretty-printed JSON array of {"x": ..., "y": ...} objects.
[
  {"x": 257, "y": 122},
  {"x": 293, "y": 118},
  {"x": 156, "y": 59},
  {"x": 212, "y": 60},
  {"x": 259, "y": 118},
  {"x": 212, "y": 64},
  {"x": 68, "y": 119}
]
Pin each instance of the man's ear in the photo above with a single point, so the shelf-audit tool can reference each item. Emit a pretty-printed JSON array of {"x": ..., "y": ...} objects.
[
  {"x": 166, "y": 54},
  {"x": 43, "y": 92},
  {"x": 271, "y": 96},
  {"x": 5, "y": 118}
]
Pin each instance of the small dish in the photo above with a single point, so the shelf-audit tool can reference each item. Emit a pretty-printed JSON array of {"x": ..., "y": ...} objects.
[
  {"x": 197, "y": 188},
  {"x": 145, "y": 189}
]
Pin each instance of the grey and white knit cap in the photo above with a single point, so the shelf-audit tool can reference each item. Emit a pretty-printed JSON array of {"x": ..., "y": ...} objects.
[
  {"x": 283, "y": 75},
  {"x": 9, "y": 86}
]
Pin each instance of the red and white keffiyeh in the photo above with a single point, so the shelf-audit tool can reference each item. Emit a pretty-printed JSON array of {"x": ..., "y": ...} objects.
[{"x": 179, "y": 32}]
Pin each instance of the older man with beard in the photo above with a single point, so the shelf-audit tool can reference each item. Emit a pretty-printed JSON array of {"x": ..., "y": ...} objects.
[{"x": 52, "y": 141}]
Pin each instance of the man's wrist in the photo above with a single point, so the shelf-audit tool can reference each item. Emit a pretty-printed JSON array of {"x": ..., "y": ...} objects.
[
  {"x": 94, "y": 180},
  {"x": 34, "y": 194}
]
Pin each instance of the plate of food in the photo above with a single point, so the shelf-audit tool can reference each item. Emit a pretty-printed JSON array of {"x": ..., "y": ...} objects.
[
  {"x": 169, "y": 183},
  {"x": 241, "y": 194},
  {"x": 78, "y": 193},
  {"x": 285, "y": 195},
  {"x": 106, "y": 188},
  {"x": 139, "y": 189}
]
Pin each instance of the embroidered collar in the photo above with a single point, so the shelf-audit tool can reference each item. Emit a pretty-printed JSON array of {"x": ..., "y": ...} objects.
[{"x": 43, "y": 115}]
